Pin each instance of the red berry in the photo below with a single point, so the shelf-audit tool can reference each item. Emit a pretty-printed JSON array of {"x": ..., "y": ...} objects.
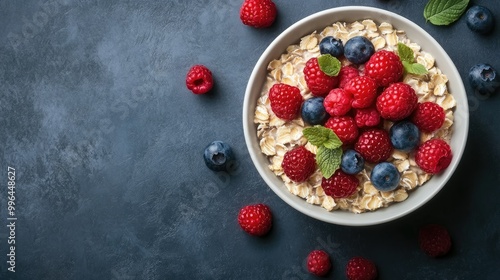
[
  {"x": 346, "y": 74},
  {"x": 433, "y": 156},
  {"x": 318, "y": 263},
  {"x": 298, "y": 164},
  {"x": 359, "y": 268},
  {"x": 344, "y": 127},
  {"x": 199, "y": 79},
  {"x": 384, "y": 67},
  {"x": 374, "y": 145},
  {"x": 337, "y": 102},
  {"x": 285, "y": 101},
  {"x": 255, "y": 219},
  {"x": 367, "y": 117},
  {"x": 317, "y": 81},
  {"x": 397, "y": 102},
  {"x": 258, "y": 13},
  {"x": 428, "y": 116},
  {"x": 363, "y": 90},
  {"x": 340, "y": 185},
  {"x": 434, "y": 240}
]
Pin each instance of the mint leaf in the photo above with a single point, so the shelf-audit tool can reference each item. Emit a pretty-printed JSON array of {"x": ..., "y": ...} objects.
[
  {"x": 321, "y": 136},
  {"x": 333, "y": 141},
  {"x": 444, "y": 12},
  {"x": 405, "y": 53},
  {"x": 414, "y": 68},
  {"x": 328, "y": 160},
  {"x": 329, "y": 64}
]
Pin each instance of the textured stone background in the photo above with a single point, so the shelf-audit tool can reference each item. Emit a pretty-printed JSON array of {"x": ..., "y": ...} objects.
[{"x": 107, "y": 144}]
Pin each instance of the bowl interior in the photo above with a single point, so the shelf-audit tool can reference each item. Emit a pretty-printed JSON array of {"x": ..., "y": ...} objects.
[{"x": 317, "y": 22}]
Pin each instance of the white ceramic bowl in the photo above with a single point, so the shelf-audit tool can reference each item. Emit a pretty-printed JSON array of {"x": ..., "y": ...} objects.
[{"x": 318, "y": 22}]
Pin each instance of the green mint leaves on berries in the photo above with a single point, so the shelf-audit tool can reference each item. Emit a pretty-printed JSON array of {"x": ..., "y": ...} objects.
[
  {"x": 321, "y": 136},
  {"x": 408, "y": 60},
  {"x": 329, "y": 154},
  {"x": 329, "y": 64},
  {"x": 444, "y": 12}
]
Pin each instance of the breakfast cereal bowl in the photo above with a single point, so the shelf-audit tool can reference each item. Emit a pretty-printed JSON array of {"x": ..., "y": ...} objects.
[{"x": 449, "y": 94}]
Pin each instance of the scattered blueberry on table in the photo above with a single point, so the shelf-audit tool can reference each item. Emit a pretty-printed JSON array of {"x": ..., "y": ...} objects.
[
  {"x": 480, "y": 19},
  {"x": 484, "y": 78},
  {"x": 218, "y": 156}
]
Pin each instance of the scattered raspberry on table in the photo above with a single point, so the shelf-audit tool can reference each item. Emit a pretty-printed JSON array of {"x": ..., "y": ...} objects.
[
  {"x": 258, "y": 13},
  {"x": 434, "y": 240},
  {"x": 255, "y": 219},
  {"x": 199, "y": 79},
  {"x": 359, "y": 268},
  {"x": 318, "y": 263}
]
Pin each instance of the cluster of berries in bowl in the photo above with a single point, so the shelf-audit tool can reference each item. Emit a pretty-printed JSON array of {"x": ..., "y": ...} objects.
[{"x": 360, "y": 95}]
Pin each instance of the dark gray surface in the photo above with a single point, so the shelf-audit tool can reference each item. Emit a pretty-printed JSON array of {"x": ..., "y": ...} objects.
[{"x": 107, "y": 144}]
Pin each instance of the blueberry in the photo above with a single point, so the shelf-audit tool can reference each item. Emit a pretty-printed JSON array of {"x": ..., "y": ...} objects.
[
  {"x": 483, "y": 78},
  {"x": 218, "y": 156},
  {"x": 385, "y": 177},
  {"x": 480, "y": 19},
  {"x": 330, "y": 45},
  {"x": 405, "y": 136},
  {"x": 313, "y": 112},
  {"x": 358, "y": 50},
  {"x": 352, "y": 162}
]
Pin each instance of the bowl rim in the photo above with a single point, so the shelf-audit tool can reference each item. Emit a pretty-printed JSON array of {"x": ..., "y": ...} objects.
[{"x": 301, "y": 205}]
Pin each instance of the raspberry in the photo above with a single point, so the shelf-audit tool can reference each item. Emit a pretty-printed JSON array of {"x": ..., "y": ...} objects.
[
  {"x": 397, "y": 102},
  {"x": 428, "y": 116},
  {"x": 255, "y": 219},
  {"x": 318, "y": 82},
  {"x": 345, "y": 128},
  {"x": 434, "y": 240},
  {"x": 346, "y": 74},
  {"x": 337, "y": 102},
  {"x": 359, "y": 268},
  {"x": 298, "y": 164},
  {"x": 199, "y": 79},
  {"x": 433, "y": 156},
  {"x": 374, "y": 145},
  {"x": 340, "y": 185},
  {"x": 285, "y": 101},
  {"x": 318, "y": 263},
  {"x": 384, "y": 67},
  {"x": 367, "y": 117},
  {"x": 363, "y": 90},
  {"x": 258, "y": 13}
]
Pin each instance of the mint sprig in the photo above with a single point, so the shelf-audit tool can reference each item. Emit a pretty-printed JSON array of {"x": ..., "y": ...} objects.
[
  {"x": 328, "y": 160},
  {"x": 322, "y": 136},
  {"x": 444, "y": 12},
  {"x": 415, "y": 68},
  {"x": 407, "y": 57},
  {"x": 329, "y": 154},
  {"x": 330, "y": 65}
]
